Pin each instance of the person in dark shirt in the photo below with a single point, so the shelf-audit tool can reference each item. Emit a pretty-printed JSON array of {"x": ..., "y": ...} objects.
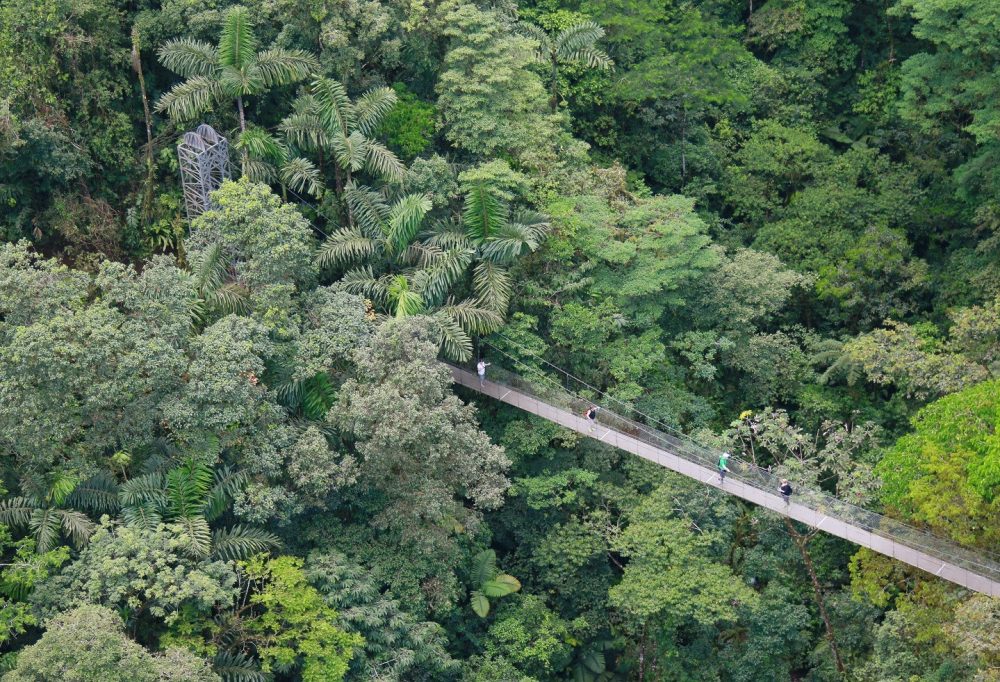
[
  {"x": 591, "y": 415},
  {"x": 785, "y": 489}
]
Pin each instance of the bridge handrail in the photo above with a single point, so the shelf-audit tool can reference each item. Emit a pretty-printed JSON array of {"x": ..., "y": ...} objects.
[{"x": 553, "y": 392}]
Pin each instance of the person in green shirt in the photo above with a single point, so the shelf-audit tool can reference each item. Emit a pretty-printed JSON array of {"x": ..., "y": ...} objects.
[{"x": 723, "y": 469}]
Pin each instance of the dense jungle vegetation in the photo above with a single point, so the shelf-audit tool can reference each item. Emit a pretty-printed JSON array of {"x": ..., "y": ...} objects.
[{"x": 230, "y": 449}]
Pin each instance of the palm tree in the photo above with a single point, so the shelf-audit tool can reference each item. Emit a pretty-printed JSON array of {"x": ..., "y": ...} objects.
[
  {"x": 573, "y": 45},
  {"x": 406, "y": 275},
  {"x": 327, "y": 122},
  {"x": 43, "y": 512},
  {"x": 192, "y": 495},
  {"x": 233, "y": 70}
]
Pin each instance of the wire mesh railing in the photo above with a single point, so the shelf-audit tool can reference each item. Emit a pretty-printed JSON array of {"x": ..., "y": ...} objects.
[{"x": 575, "y": 396}]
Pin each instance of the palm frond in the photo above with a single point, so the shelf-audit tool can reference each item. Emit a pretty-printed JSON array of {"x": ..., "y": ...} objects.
[
  {"x": 405, "y": 301},
  {"x": 281, "y": 67},
  {"x": 577, "y": 37},
  {"x": 147, "y": 489},
  {"x": 372, "y": 107},
  {"x": 405, "y": 219},
  {"x": 74, "y": 524},
  {"x": 231, "y": 298},
  {"x": 318, "y": 396},
  {"x": 346, "y": 245},
  {"x": 242, "y": 542},
  {"x": 98, "y": 493},
  {"x": 492, "y": 285},
  {"x": 305, "y": 130},
  {"x": 301, "y": 175},
  {"x": 237, "y": 43},
  {"x": 524, "y": 233},
  {"x": 591, "y": 57},
  {"x": 46, "y": 526},
  {"x": 16, "y": 511},
  {"x": 210, "y": 270},
  {"x": 228, "y": 482},
  {"x": 260, "y": 144},
  {"x": 440, "y": 272},
  {"x": 145, "y": 515},
  {"x": 453, "y": 340},
  {"x": 362, "y": 281},
  {"x": 383, "y": 162},
  {"x": 473, "y": 318},
  {"x": 199, "y": 536},
  {"x": 483, "y": 213},
  {"x": 191, "y": 98},
  {"x": 368, "y": 208},
  {"x": 188, "y": 486},
  {"x": 334, "y": 107},
  {"x": 188, "y": 58},
  {"x": 237, "y": 667},
  {"x": 539, "y": 36},
  {"x": 236, "y": 82}
]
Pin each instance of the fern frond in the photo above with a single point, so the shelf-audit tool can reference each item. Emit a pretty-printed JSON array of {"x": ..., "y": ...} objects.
[{"x": 145, "y": 515}]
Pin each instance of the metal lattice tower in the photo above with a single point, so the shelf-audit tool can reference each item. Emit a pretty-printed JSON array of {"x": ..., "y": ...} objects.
[{"x": 204, "y": 161}]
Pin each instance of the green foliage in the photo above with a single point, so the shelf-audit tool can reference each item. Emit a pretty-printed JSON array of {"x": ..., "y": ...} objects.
[
  {"x": 488, "y": 583},
  {"x": 409, "y": 126},
  {"x": 296, "y": 630},
  {"x": 88, "y": 643},
  {"x": 947, "y": 473},
  {"x": 230, "y": 71}
]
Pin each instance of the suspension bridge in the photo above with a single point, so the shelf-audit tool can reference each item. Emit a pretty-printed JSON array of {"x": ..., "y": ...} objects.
[{"x": 555, "y": 401}]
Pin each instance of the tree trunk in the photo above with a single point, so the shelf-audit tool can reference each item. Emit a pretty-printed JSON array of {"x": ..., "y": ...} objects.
[
  {"x": 137, "y": 67},
  {"x": 243, "y": 129},
  {"x": 801, "y": 541},
  {"x": 554, "y": 99}
]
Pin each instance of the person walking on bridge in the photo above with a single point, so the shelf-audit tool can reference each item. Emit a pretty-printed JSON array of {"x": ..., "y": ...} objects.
[
  {"x": 481, "y": 371},
  {"x": 591, "y": 415},
  {"x": 785, "y": 489},
  {"x": 723, "y": 469}
]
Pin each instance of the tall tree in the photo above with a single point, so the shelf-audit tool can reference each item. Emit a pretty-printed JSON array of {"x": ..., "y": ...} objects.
[
  {"x": 576, "y": 44},
  {"x": 232, "y": 70}
]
